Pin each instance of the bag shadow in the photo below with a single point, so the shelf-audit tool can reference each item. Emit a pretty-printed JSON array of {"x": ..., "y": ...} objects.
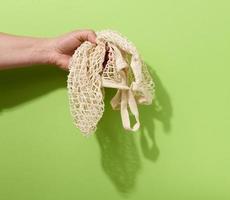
[
  {"x": 119, "y": 154},
  {"x": 120, "y": 158},
  {"x": 161, "y": 110}
]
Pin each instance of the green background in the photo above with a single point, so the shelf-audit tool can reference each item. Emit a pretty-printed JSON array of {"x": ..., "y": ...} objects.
[{"x": 182, "y": 150}]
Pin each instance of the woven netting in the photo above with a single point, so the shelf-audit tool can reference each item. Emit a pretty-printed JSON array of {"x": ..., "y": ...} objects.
[{"x": 113, "y": 62}]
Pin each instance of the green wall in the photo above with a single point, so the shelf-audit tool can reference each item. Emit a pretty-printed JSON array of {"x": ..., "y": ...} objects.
[{"x": 182, "y": 151}]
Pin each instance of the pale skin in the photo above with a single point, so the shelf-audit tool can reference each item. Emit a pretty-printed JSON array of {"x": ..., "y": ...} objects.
[{"x": 21, "y": 51}]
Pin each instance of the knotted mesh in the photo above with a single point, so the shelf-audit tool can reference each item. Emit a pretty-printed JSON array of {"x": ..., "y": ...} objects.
[{"x": 114, "y": 63}]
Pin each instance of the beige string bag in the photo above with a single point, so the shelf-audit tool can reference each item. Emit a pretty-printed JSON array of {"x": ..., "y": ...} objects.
[{"x": 114, "y": 63}]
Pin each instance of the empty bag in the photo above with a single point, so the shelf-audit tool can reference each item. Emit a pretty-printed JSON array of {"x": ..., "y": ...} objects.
[{"x": 112, "y": 62}]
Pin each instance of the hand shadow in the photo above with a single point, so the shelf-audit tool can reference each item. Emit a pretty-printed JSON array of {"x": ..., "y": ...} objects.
[
  {"x": 119, "y": 155},
  {"x": 160, "y": 110},
  {"x": 18, "y": 86}
]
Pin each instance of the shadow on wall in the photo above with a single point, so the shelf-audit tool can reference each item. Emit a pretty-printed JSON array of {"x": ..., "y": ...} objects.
[
  {"x": 160, "y": 110},
  {"x": 120, "y": 157},
  {"x": 18, "y": 86}
]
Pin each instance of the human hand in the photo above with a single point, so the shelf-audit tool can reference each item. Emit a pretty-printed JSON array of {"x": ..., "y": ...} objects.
[
  {"x": 63, "y": 47},
  {"x": 19, "y": 51}
]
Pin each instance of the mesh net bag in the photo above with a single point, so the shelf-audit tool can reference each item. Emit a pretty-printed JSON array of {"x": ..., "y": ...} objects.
[{"x": 113, "y": 62}]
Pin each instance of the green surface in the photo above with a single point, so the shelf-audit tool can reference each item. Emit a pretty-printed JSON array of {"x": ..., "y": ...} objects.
[{"x": 182, "y": 151}]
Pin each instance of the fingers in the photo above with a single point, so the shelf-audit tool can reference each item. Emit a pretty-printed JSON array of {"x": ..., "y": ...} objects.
[
  {"x": 63, "y": 61},
  {"x": 65, "y": 45},
  {"x": 87, "y": 35},
  {"x": 91, "y": 36}
]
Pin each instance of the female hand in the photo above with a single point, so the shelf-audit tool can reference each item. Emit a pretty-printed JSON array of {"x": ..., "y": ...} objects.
[
  {"x": 20, "y": 51},
  {"x": 63, "y": 47}
]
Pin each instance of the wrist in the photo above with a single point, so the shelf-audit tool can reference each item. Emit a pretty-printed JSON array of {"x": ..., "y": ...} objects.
[
  {"x": 16, "y": 51},
  {"x": 41, "y": 52}
]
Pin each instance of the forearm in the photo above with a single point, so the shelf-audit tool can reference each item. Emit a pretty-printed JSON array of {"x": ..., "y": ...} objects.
[{"x": 18, "y": 51}]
